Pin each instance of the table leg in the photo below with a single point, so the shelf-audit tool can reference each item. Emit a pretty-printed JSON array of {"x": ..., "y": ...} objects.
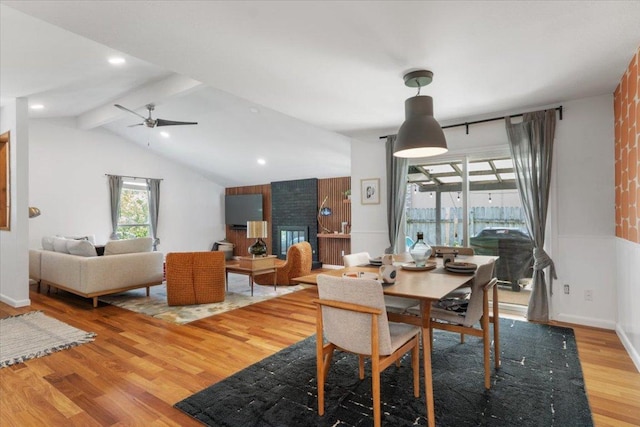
[
  {"x": 275, "y": 278},
  {"x": 226, "y": 280},
  {"x": 426, "y": 360},
  {"x": 251, "y": 281}
]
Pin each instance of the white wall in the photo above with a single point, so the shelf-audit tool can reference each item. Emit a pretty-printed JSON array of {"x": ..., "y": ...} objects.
[
  {"x": 68, "y": 184},
  {"x": 581, "y": 222},
  {"x": 14, "y": 261},
  {"x": 628, "y": 289}
]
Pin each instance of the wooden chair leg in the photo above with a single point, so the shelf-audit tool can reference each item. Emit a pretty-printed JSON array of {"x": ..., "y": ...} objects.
[
  {"x": 496, "y": 328},
  {"x": 361, "y": 366},
  {"x": 415, "y": 366},
  {"x": 461, "y": 338},
  {"x": 375, "y": 392}
]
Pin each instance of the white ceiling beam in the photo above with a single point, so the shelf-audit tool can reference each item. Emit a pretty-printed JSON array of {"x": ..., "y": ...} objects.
[{"x": 153, "y": 92}]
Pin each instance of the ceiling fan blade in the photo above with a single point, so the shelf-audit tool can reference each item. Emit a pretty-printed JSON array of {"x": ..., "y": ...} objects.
[
  {"x": 130, "y": 111},
  {"x": 162, "y": 122},
  {"x": 137, "y": 124}
]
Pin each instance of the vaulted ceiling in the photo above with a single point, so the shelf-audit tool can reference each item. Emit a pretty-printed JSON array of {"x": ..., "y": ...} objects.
[{"x": 292, "y": 81}]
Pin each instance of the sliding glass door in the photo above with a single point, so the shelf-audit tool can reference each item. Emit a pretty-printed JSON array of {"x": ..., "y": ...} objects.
[{"x": 471, "y": 201}]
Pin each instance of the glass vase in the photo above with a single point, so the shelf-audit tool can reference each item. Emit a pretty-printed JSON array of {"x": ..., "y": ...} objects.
[{"x": 420, "y": 251}]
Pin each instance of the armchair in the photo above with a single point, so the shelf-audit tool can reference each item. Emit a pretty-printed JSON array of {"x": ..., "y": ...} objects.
[{"x": 298, "y": 263}]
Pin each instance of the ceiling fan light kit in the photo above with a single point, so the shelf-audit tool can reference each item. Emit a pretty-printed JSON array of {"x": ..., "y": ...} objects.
[
  {"x": 420, "y": 135},
  {"x": 151, "y": 122}
]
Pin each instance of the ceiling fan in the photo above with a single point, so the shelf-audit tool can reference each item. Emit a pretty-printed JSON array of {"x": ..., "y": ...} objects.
[{"x": 150, "y": 122}]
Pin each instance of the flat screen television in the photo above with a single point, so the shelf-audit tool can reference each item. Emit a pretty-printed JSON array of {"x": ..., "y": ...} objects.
[{"x": 240, "y": 208}]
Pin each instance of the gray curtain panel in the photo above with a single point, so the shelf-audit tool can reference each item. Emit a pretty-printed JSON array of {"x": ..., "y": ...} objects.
[
  {"x": 396, "y": 195},
  {"x": 115, "y": 188},
  {"x": 154, "y": 209},
  {"x": 531, "y": 143}
]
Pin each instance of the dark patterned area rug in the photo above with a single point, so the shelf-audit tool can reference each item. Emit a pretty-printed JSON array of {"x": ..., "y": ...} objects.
[{"x": 540, "y": 383}]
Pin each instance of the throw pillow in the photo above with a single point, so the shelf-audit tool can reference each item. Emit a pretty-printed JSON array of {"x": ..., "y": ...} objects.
[
  {"x": 60, "y": 245},
  {"x": 81, "y": 248},
  {"x": 89, "y": 237},
  {"x": 47, "y": 243},
  {"x": 116, "y": 247}
]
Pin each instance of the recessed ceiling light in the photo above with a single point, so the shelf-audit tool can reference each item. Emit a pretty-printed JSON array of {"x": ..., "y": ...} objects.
[
  {"x": 254, "y": 110},
  {"x": 262, "y": 162},
  {"x": 165, "y": 134},
  {"x": 116, "y": 60},
  {"x": 36, "y": 107}
]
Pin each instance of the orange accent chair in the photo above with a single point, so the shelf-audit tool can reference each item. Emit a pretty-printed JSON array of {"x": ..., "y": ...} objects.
[
  {"x": 195, "y": 277},
  {"x": 298, "y": 263}
]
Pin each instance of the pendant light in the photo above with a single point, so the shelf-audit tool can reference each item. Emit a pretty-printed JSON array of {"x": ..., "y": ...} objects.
[{"x": 420, "y": 135}]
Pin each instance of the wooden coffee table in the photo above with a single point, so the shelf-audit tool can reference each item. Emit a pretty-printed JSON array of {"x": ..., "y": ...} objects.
[{"x": 252, "y": 267}]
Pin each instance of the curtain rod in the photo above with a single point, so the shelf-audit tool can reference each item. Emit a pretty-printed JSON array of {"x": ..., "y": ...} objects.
[
  {"x": 134, "y": 177},
  {"x": 466, "y": 124}
]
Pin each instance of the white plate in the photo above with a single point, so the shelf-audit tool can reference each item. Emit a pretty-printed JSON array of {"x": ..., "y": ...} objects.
[{"x": 430, "y": 265}]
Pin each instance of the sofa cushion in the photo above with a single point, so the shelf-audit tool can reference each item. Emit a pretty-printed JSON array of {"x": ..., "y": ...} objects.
[
  {"x": 47, "y": 243},
  {"x": 116, "y": 247},
  {"x": 81, "y": 248},
  {"x": 60, "y": 245}
]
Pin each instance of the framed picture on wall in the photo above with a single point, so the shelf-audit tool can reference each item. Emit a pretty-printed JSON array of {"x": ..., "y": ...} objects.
[{"x": 370, "y": 191}]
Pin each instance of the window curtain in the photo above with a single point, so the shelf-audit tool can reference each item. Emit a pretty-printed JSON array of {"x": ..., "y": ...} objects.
[
  {"x": 531, "y": 143},
  {"x": 115, "y": 188},
  {"x": 396, "y": 195},
  {"x": 154, "y": 208}
]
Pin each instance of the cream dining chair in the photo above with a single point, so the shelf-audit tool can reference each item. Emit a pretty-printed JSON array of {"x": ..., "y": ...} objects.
[
  {"x": 466, "y": 319},
  {"x": 359, "y": 303},
  {"x": 394, "y": 304}
]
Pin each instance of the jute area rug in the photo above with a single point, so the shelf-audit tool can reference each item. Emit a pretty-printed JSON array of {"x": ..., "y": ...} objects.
[
  {"x": 34, "y": 334},
  {"x": 540, "y": 383},
  {"x": 238, "y": 295}
]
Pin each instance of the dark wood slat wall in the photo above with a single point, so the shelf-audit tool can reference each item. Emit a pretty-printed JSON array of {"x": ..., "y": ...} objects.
[
  {"x": 239, "y": 237},
  {"x": 332, "y": 248}
]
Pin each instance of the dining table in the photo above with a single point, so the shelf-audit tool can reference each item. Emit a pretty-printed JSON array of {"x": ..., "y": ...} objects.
[{"x": 425, "y": 286}]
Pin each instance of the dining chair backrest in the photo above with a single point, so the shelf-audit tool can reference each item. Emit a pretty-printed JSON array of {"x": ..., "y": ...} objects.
[
  {"x": 482, "y": 278},
  {"x": 359, "y": 258},
  {"x": 347, "y": 329}
]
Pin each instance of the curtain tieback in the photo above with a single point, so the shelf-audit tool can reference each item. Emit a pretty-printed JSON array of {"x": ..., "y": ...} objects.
[{"x": 542, "y": 260}]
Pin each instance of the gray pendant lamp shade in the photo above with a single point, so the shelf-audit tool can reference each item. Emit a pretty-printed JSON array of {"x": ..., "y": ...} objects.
[{"x": 420, "y": 135}]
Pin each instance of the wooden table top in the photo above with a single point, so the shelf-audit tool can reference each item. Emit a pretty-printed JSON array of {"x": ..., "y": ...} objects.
[{"x": 426, "y": 285}]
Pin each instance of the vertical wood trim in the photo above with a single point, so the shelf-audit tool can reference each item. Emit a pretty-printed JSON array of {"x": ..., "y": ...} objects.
[{"x": 239, "y": 237}]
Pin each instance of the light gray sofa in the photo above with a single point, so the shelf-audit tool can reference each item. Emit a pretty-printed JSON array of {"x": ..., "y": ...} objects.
[{"x": 123, "y": 267}]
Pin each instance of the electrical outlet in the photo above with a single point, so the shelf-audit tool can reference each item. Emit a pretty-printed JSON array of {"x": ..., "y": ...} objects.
[
  {"x": 342, "y": 253},
  {"x": 566, "y": 289},
  {"x": 588, "y": 295}
]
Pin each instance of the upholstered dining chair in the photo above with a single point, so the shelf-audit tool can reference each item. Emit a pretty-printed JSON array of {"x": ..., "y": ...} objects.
[
  {"x": 466, "y": 320},
  {"x": 298, "y": 263},
  {"x": 359, "y": 258},
  {"x": 394, "y": 304},
  {"x": 195, "y": 277},
  {"x": 359, "y": 303}
]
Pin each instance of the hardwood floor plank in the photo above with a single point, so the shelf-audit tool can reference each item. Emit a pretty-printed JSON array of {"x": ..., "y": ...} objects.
[{"x": 138, "y": 366}]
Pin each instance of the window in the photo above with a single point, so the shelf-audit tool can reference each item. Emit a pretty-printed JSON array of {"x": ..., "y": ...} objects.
[{"x": 133, "y": 219}]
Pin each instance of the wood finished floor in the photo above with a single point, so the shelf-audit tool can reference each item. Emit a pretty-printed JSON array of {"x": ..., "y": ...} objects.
[{"x": 138, "y": 367}]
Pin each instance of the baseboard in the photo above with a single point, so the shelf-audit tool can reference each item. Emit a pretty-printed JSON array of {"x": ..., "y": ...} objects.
[
  {"x": 626, "y": 342},
  {"x": 14, "y": 303},
  {"x": 586, "y": 321}
]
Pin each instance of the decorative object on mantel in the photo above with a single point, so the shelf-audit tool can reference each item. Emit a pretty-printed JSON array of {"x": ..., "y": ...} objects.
[
  {"x": 257, "y": 230},
  {"x": 323, "y": 211},
  {"x": 420, "y": 135},
  {"x": 34, "y": 212},
  {"x": 347, "y": 194}
]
